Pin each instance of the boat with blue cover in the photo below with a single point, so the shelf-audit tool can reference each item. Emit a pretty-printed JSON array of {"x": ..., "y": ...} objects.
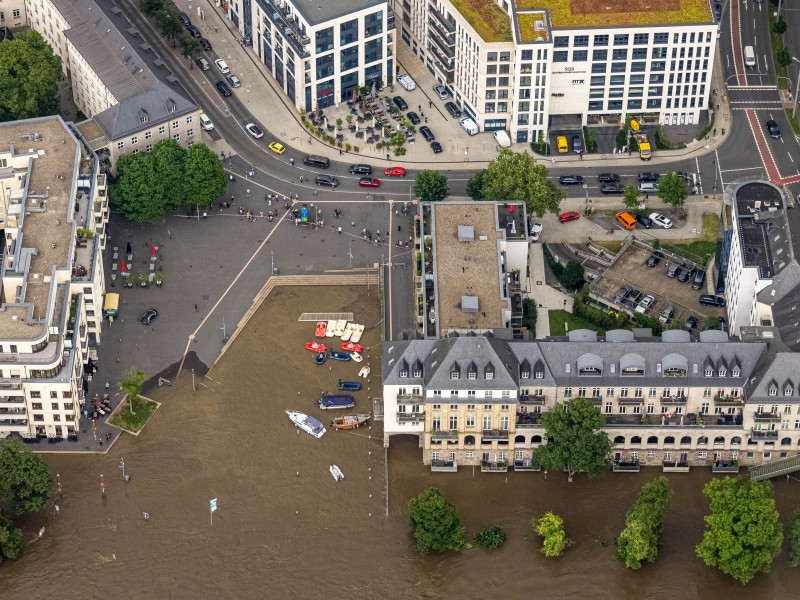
[
  {"x": 349, "y": 385},
  {"x": 336, "y": 401}
]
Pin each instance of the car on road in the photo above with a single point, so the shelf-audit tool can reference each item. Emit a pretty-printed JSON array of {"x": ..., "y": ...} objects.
[
  {"x": 234, "y": 81},
  {"x": 608, "y": 178},
  {"x": 194, "y": 31},
  {"x": 711, "y": 300},
  {"x": 277, "y": 147},
  {"x": 661, "y": 220},
  {"x": 577, "y": 144},
  {"x": 441, "y": 92},
  {"x": 645, "y": 222},
  {"x": 534, "y": 231},
  {"x": 205, "y": 44},
  {"x": 360, "y": 169},
  {"x": 406, "y": 82},
  {"x": 699, "y": 278},
  {"x": 717, "y": 11},
  {"x": 691, "y": 323},
  {"x": 648, "y": 177},
  {"x": 149, "y": 316},
  {"x": 369, "y": 182},
  {"x": 611, "y": 188},
  {"x": 645, "y": 305},
  {"x": 773, "y": 129},
  {"x": 394, "y": 172},
  {"x": 414, "y": 118},
  {"x": 222, "y": 66},
  {"x": 328, "y": 180},
  {"x": 654, "y": 258},
  {"x": 400, "y": 103},
  {"x": 561, "y": 143},
  {"x": 436, "y": 147},
  {"x": 666, "y": 315},
  {"x": 684, "y": 175},
  {"x": 453, "y": 109},
  {"x": 426, "y": 132},
  {"x": 205, "y": 122},
  {"x": 224, "y": 89},
  {"x": 570, "y": 180},
  {"x": 566, "y": 217},
  {"x": 254, "y": 130}
]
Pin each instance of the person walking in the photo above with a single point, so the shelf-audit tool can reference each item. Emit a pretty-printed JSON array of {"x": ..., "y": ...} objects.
[
  {"x": 291, "y": 161},
  {"x": 340, "y": 229}
]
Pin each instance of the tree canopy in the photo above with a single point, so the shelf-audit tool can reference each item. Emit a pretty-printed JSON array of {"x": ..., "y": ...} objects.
[
  {"x": 644, "y": 523},
  {"x": 673, "y": 190},
  {"x": 630, "y": 196},
  {"x": 551, "y": 527},
  {"x": 793, "y": 533},
  {"x": 131, "y": 386},
  {"x": 434, "y": 522},
  {"x": 575, "y": 439},
  {"x": 431, "y": 186},
  {"x": 25, "y": 481},
  {"x": 190, "y": 45},
  {"x": 29, "y": 76},
  {"x": 743, "y": 535},
  {"x": 475, "y": 186},
  {"x": 516, "y": 176},
  {"x": 151, "y": 183}
]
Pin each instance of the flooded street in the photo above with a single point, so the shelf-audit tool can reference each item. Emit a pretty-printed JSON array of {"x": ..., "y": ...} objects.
[{"x": 285, "y": 529}]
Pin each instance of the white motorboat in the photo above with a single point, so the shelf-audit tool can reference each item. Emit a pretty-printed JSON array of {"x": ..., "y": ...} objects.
[
  {"x": 348, "y": 331},
  {"x": 308, "y": 424},
  {"x": 364, "y": 372},
  {"x": 356, "y": 356},
  {"x": 330, "y": 330},
  {"x": 359, "y": 331},
  {"x": 336, "y": 472},
  {"x": 340, "y": 327}
]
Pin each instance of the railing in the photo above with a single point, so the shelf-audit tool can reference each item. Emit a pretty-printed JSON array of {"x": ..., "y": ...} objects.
[
  {"x": 724, "y": 466},
  {"x": 409, "y": 396},
  {"x": 446, "y": 466},
  {"x": 495, "y": 434},
  {"x": 675, "y": 466},
  {"x": 764, "y": 435},
  {"x": 442, "y": 436},
  {"x": 449, "y": 27},
  {"x": 673, "y": 400},
  {"x": 766, "y": 417},
  {"x": 630, "y": 401},
  {"x": 525, "y": 464},
  {"x": 626, "y": 466},
  {"x": 285, "y": 24},
  {"x": 532, "y": 399},
  {"x": 728, "y": 401},
  {"x": 406, "y": 417},
  {"x": 494, "y": 465}
]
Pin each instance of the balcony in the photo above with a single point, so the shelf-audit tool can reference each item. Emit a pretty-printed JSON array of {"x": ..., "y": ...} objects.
[
  {"x": 766, "y": 417},
  {"x": 525, "y": 464},
  {"x": 725, "y": 466},
  {"x": 412, "y": 396},
  {"x": 12, "y": 402},
  {"x": 673, "y": 400},
  {"x": 532, "y": 399},
  {"x": 728, "y": 400},
  {"x": 13, "y": 424},
  {"x": 764, "y": 435},
  {"x": 630, "y": 401},
  {"x": 497, "y": 466},
  {"x": 626, "y": 466},
  {"x": 408, "y": 417},
  {"x": 494, "y": 434},
  {"x": 444, "y": 436},
  {"x": 447, "y": 25},
  {"x": 287, "y": 24},
  {"x": 674, "y": 466},
  {"x": 444, "y": 466},
  {"x": 528, "y": 419}
]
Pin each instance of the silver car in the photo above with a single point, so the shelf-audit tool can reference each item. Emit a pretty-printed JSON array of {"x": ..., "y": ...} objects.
[
  {"x": 441, "y": 91},
  {"x": 645, "y": 305}
]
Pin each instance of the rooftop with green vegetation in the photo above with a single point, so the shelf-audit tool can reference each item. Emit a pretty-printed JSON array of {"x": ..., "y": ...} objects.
[
  {"x": 532, "y": 26},
  {"x": 571, "y": 14},
  {"x": 490, "y": 21}
]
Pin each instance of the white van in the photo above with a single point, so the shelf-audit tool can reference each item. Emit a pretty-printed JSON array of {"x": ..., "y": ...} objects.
[
  {"x": 469, "y": 126},
  {"x": 502, "y": 139},
  {"x": 749, "y": 57},
  {"x": 406, "y": 82},
  {"x": 205, "y": 122}
]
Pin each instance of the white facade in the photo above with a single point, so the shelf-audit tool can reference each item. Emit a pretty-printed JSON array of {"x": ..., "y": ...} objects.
[{"x": 12, "y": 14}]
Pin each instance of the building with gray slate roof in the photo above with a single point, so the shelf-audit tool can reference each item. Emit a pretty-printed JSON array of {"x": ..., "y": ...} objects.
[{"x": 668, "y": 401}]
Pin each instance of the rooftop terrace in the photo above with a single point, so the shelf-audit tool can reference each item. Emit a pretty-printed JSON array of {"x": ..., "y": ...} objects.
[
  {"x": 486, "y": 17},
  {"x": 763, "y": 230},
  {"x": 573, "y": 14}
]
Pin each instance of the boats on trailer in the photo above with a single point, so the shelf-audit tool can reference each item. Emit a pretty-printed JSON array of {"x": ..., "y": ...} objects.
[
  {"x": 307, "y": 423},
  {"x": 350, "y": 421},
  {"x": 336, "y": 472}
]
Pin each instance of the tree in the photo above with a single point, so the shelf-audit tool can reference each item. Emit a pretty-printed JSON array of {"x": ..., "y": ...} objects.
[
  {"x": 431, "y": 186},
  {"x": 779, "y": 27},
  {"x": 783, "y": 58},
  {"x": 793, "y": 533},
  {"x": 24, "y": 478},
  {"x": 743, "y": 535},
  {"x": 672, "y": 189},
  {"x": 515, "y": 176},
  {"x": 572, "y": 278},
  {"x": 551, "y": 527},
  {"x": 205, "y": 178},
  {"x": 644, "y": 523},
  {"x": 712, "y": 322},
  {"x": 189, "y": 46},
  {"x": 434, "y": 522},
  {"x": 132, "y": 386},
  {"x": 475, "y": 185},
  {"x": 575, "y": 439},
  {"x": 169, "y": 24},
  {"x": 630, "y": 196},
  {"x": 169, "y": 162},
  {"x": 10, "y": 540},
  {"x": 29, "y": 76},
  {"x": 152, "y": 7},
  {"x": 135, "y": 192},
  {"x": 491, "y": 538}
]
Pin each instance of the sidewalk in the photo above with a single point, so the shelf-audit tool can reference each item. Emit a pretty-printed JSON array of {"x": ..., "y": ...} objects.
[
  {"x": 546, "y": 298},
  {"x": 269, "y": 105}
]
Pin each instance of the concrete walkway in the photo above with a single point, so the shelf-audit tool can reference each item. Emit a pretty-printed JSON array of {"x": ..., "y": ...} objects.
[{"x": 547, "y": 298}]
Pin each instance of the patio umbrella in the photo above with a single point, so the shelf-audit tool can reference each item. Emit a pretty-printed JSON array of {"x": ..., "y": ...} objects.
[
  {"x": 153, "y": 250},
  {"x": 123, "y": 266},
  {"x": 373, "y": 92}
]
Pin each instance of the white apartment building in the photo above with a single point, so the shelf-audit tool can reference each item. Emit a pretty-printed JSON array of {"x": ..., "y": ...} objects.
[
  {"x": 320, "y": 51},
  {"x": 54, "y": 212},
  {"x": 526, "y": 67},
  {"x": 12, "y": 14}
]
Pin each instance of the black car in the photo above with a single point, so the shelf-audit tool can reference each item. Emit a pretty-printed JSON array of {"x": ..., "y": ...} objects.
[
  {"x": 436, "y": 147},
  {"x": 648, "y": 177},
  {"x": 622, "y": 293},
  {"x": 224, "y": 89},
  {"x": 711, "y": 300},
  {"x": 149, "y": 315},
  {"x": 654, "y": 258},
  {"x": 645, "y": 222},
  {"x": 194, "y": 31},
  {"x": 774, "y": 130},
  {"x": 361, "y": 169},
  {"x": 400, "y": 103},
  {"x": 452, "y": 109},
  {"x": 427, "y": 133},
  {"x": 608, "y": 178},
  {"x": 717, "y": 11},
  {"x": 691, "y": 323},
  {"x": 699, "y": 278},
  {"x": 570, "y": 180},
  {"x": 684, "y": 274},
  {"x": 205, "y": 43},
  {"x": 185, "y": 19},
  {"x": 414, "y": 118},
  {"x": 611, "y": 188},
  {"x": 328, "y": 180}
]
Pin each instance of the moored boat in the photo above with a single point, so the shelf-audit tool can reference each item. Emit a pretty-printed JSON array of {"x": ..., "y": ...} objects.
[
  {"x": 348, "y": 331},
  {"x": 336, "y": 401},
  {"x": 356, "y": 337},
  {"x": 336, "y": 355},
  {"x": 356, "y": 356},
  {"x": 350, "y": 421},
  {"x": 336, "y": 472},
  {"x": 364, "y": 372},
  {"x": 340, "y": 326},
  {"x": 316, "y": 347},
  {"x": 349, "y": 385},
  {"x": 307, "y": 423},
  {"x": 321, "y": 329},
  {"x": 330, "y": 328},
  {"x": 320, "y": 358},
  {"x": 351, "y": 347}
]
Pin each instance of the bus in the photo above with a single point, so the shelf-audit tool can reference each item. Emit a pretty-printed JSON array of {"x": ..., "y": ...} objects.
[{"x": 111, "y": 306}]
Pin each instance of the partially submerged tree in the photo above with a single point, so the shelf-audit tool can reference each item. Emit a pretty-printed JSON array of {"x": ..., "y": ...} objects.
[
  {"x": 132, "y": 386},
  {"x": 644, "y": 523},
  {"x": 551, "y": 527},
  {"x": 434, "y": 522}
]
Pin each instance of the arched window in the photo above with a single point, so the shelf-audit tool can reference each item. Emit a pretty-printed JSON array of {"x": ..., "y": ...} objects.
[
  {"x": 620, "y": 439},
  {"x": 686, "y": 440},
  {"x": 469, "y": 440},
  {"x": 786, "y": 442},
  {"x": 736, "y": 440},
  {"x": 669, "y": 440},
  {"x": 702, "y": 440},
  {"x": 520, "y": 439},
  {"x": 636, "y": 440},
  {"x": 719, "y": 440},
  {"x": 652, "y": 439},
  {"x": 537, "y": 439}
]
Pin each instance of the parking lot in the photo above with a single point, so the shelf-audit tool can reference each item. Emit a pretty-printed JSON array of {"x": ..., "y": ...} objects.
[{"x": 630, "y": 270}]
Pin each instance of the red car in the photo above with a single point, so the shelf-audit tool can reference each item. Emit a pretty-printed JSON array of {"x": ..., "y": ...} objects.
[
  {"x": 395, "y": 172},
  {"x": 569, "y": 216},
  {"x": 369, "y": 182}
]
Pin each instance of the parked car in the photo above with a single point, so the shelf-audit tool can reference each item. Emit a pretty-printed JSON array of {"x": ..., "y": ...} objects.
[
  {"x": 222, "y": 66},
  {"x": 684, "y": 274},
  {"x": 194, "y": 31},
  {"x": 254, "y": 130},
  {"x": 666, "y": 315},
  {"x": 711, "y": 300},
  {"x": 426, "y": 132},
  {"x": 441, "y": 92},
  {"x": 436, "y": 147},
  {"x": 631, "y": 298},
  {"x": 394, "y": 172},
  {"x": 611, "y": 188},
  {"x": 691, "y": 323},
  {"x": 566, "y": 217},
  {"x": 570, "y": 180},
  {"x": 361, "y": 169},
  {"x": 621, "y": 294},
  {"x": 453, "y": 109},
  {"x": 414, "y": 118},
  {"x": 648, "y": 177},
  {"x": 717, "y": 11},
  {"x": 277, "y": 147},
  {"x": 699, "y": 278},
  {"x": 645, "y": 305},
  {"x": 773, "y": 129},
  {"x": 234, "y": 81},
  {"x": 185, "y": 19},
  {"x": 369, "y": 182},
  {"x": 608, "y": 178},
  {"x": 400, "y": 103},
  {"x": 661, "y": 220},
  {"x": 654, "y": 258},
  {"x": 672, "y": 269},
  {"x": 561, "y": 142},
  {"x": 205, "y": 44},
  {"x": 149, "y": 316},
  {"x": 645, "y": 222},
  {"x": 406, "y": 82},
  {"x": 224, "y": 89},
  {"x": 577, "y": 144},
  {"x": 534, "y": 231},
  {"x": 328, "y": 180}
]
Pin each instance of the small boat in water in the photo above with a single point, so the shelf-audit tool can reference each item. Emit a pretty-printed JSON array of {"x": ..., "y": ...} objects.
[
  {"x": 349, "y": 421},
  {"x": 336, "y": 472},
  {"x": 321, "y": 358},
  {"x": 330, "y": 328},
  {"x": 336, "y": 401},
  {"x": 340, "y": 326},
  {"x": 356, "y": 337},
  {"x": 351, "y": 347},
  {"x": 348, "y": 331},
  {"x": 356, "y": 356},
  {"x": 364, "y": 372},
  {"x": 322, "y": 326},
  {"x": 336, "y": 355},
  {"x": 308, "y": 424},
  {"x": 316, "y": 347},
  {"x": 349, "y": 385}
]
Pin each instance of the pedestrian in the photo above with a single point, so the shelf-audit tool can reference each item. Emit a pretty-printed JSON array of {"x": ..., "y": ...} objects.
[
  {"x": 58, "y": 508},
  {"x": 215, "y": 31},
  {"x": 387, "y": 157},
  {"x": 291, "y": 161},
  {"x": 580, "y": 155},
  {"x": 340, "y": 229},
  {"x": 108, "y": 385},
  {"x": 426, "y": 120},
  {"x": 340, "y": 152},
  {"x": 430, "y": 104},
  {"x": 205, "y": 215},
  {"x": 301, "y": 179},
  {"x": 398, "y": 228},
  {"x": 419, "y": 107},
  {"x": 222, "y": 154},
  {"x": 646, "y": 196},
  {"x": 353, "y": 224},
  {"x": 196, "y": 308},
  {"x": 553, "y": 159}
]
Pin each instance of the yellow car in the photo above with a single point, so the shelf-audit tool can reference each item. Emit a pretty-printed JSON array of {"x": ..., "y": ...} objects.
[
  {"x": 277, "y": 148},
  {"x": 561, "y": 142}
]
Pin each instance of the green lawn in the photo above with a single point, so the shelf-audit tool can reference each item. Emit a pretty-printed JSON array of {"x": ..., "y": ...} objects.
[
  {"x": 560, "y": 317},
  {"x": 142, "y": 410},
  {"x": 698, "y": 250}
]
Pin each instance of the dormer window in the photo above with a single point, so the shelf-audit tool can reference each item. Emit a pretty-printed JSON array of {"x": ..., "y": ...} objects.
[
  {"x": 403, "y": 373},
  {"x": 171, "y": 106},
  {"x": 417, "y": 373},
  {"x": 539, "y": 374},
  {"x": 144, "y": 118},
  {"x": 471, "y": 375},
  {"x": 489, "y": 374},
  {"x": 773, "y": 391},
  {"x": 736, "y": 372},
  {"x": 525, "y": 375},
  {"x": 709, "y": 372},
  {"x": 454, "y": 375},
  {"x": 723, "y": 372},
  {"x": 787, "y": 391}
]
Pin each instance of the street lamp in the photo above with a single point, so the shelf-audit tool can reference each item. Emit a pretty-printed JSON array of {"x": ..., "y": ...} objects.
[
  {"x": 797, "y": 90},
  {"x": 586, "y": 203}
]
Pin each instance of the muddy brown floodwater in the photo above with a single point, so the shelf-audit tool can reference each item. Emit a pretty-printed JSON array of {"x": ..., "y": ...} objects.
[{"x": 285, "y": 529}]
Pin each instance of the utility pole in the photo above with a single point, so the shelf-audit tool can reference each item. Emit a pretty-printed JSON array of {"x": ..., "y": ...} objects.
[{"x": 796, "y": 90}]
